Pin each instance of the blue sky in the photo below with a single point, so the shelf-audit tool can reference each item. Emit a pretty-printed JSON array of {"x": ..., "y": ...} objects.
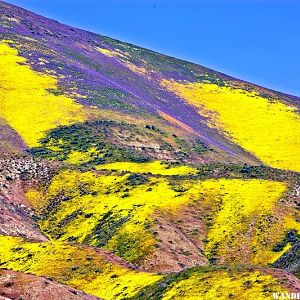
[{"x": 254, "y": 40}]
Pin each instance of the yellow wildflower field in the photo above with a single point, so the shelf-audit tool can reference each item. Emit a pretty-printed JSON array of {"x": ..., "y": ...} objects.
[
  {"x": 26, "y": 102},
  {"x": 267, "y": 128}
]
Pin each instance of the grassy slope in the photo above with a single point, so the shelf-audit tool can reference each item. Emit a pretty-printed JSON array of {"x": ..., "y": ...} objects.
[
  {"x": 236, "y": 221},
  {"x": 107, "y": 277}
]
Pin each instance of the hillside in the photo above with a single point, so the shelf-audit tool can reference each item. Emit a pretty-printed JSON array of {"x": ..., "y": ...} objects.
[{"x": 128, "y": 174}]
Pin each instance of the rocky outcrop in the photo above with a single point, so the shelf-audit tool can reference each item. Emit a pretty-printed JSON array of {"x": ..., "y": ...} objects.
[
  {"x": 17, "y": 218},
  {"x": 25, "y": 168}
]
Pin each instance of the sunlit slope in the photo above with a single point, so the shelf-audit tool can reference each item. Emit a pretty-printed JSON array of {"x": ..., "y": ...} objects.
[
  {"x": 104, "y": 276},
  {"x": 107, "y": 211},
  {"x": 231, "y": 220},
  {"x": 242, "y": 217},
  {"x": 266, "y": 127},
  {"x": 27, "y": 104},
  {"x": 221, "y": 283},
  {"x": 82, "y": 268}
]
